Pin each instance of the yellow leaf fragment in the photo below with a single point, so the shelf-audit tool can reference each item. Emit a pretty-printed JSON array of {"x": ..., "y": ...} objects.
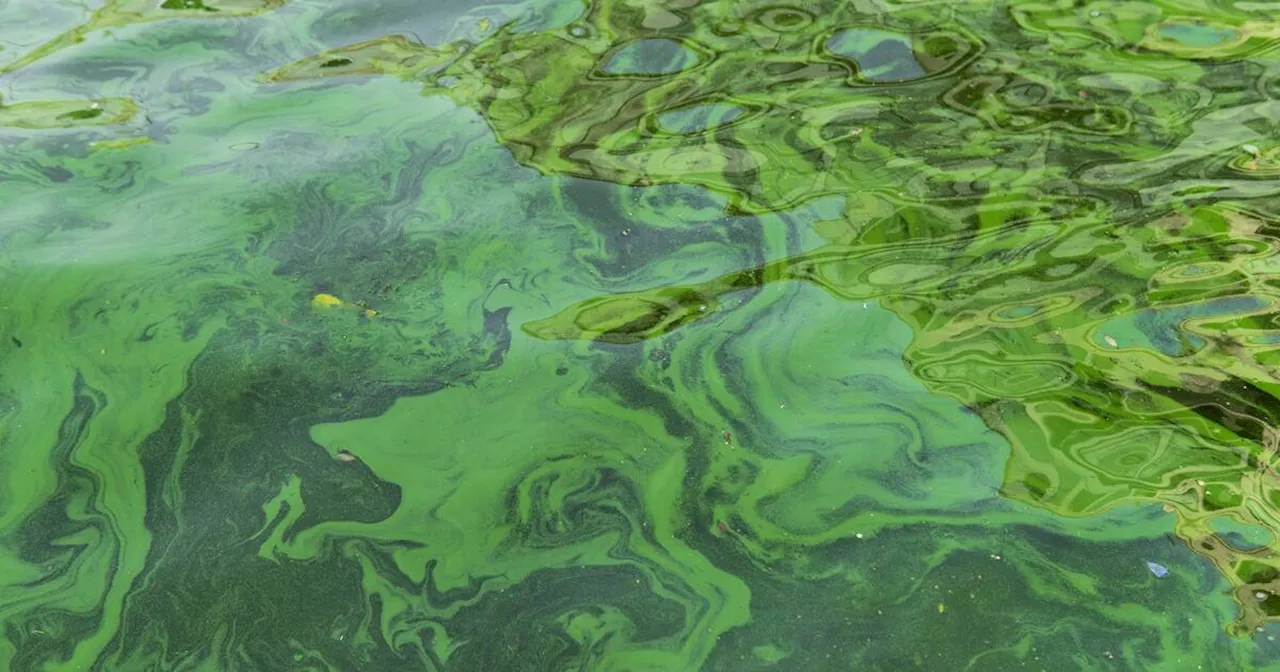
[{"x": 325, "y": 301}]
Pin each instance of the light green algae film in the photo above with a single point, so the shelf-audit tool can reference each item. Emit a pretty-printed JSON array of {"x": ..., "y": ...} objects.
[{"x": 639, "y": 335}]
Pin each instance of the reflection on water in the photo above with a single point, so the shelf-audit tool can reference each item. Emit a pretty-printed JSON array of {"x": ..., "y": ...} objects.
[{"x": 630, "y": 335}]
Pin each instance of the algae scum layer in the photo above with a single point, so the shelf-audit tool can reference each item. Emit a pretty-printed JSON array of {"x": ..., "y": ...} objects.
[{"x": 639, "y": 335}]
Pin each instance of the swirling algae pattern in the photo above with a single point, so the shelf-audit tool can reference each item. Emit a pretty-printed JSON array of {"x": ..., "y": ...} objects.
[{"x": 640, "y": 335}]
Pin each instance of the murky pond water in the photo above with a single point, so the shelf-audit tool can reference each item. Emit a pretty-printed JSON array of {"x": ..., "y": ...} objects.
[{"x": 639, "y": 335}]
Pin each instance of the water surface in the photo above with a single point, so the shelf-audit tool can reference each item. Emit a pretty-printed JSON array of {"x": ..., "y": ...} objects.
[{"x": 639, "y": 335}]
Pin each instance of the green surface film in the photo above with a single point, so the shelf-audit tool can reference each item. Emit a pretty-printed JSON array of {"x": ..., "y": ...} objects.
[{"x": 639, "y": 335}]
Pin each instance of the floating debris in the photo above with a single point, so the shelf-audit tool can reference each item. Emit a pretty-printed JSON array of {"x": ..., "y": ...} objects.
[
  {"x": 325, "y": 301},
  {"x": 1159, "y": 570}
]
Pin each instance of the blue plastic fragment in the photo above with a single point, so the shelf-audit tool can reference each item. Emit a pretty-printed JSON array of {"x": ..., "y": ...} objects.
[{"x": 1158, "y": 569}]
